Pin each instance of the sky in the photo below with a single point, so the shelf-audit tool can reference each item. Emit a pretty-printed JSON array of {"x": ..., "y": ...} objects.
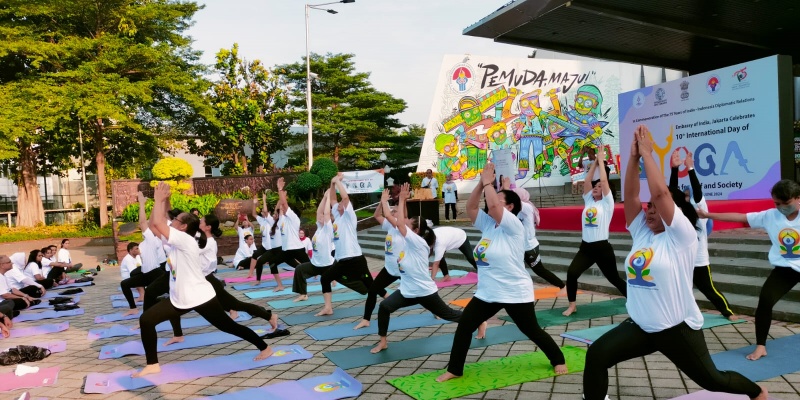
[{"x": 400, "y": 42}]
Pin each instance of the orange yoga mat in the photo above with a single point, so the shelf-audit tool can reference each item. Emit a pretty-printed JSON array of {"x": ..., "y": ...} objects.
[{"x": 543, "y": 293}]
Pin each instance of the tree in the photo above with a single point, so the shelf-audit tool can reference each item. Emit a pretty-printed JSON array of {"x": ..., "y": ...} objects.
[
  {"x": 124, "y": 69},
  {"x": 347, "y": 112},
  {"x": 252, "y": 110}
]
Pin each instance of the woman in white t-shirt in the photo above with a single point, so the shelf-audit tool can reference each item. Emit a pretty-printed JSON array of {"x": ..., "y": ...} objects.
[
  {"x": 782, "y": 224},
  {"x": 416, "y": 285},
  {"x": 595, "y": 223},
  {"x": 529, "y": 216},
  {"x": 449, "y": 238},
  {"x": 244, "y": 254},
  {"x": 664, "y": 316},
  {"x": 273, "y": 240},
  {"x": 503, "y": 281},
  {"x": 450, "y": 194},
  {"x": 65, "y": 258},
  {"x": 293, "y": 251},
  {"x": 306, "y": 243},
  {"x": 702, "y": 270},
  {"x": 321, "y": 247},
  {"x": 188, "y": 288},
  {"x": 34, "y": 269}
]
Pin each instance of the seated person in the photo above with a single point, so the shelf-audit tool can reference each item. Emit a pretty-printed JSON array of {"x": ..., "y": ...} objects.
[
  {"x": 16, "y": 279},
  {"x": 21, "y": 300}
]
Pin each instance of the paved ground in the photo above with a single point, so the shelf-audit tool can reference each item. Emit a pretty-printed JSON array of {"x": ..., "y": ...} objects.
[{"x": 651, "y": 377}]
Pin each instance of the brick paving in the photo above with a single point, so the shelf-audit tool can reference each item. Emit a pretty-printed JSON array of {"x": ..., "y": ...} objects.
[{"x": 650, "y": 377}]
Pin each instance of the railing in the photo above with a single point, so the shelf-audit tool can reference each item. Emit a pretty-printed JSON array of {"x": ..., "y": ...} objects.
[
  {"x": 6, "y": 215},
  {"x": 366, "y": 207}
]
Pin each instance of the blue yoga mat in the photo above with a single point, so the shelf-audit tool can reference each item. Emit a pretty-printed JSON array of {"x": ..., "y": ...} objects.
[
  {"x": 123, "y": 303},
  {"x": 122, "y": 296},
  {"x": 395, "y": 324},
  {"x": 49, "y": 314},
  {"x": 135, "y": 347},
  {"x": 122, "y": 330},
  {"x": 338, "y": 385},
  {"x": 316, "y": 300},
  {"x": 271, "y": 283},
  {"x": 260, "y": 294},
  {"x": 72, "y": 285},
  {"x": 338, "y": 313},
  {"x": 115, "y": 317},
  {"x": 782, "y": 359},
  {"x": 589, "y": 335}
]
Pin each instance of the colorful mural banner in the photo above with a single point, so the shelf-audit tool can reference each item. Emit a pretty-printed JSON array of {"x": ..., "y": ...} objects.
[
  {"x": 356, "y": 182},
  {"x": 727, "y": 119},
  {"x": 541, "y": 111}
]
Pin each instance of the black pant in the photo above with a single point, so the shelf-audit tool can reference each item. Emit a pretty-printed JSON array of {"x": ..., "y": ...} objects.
[
  {"x": 301, "y": 274},
  {"x": 293, "y": 257},
  {"x": 19, "y": 304},
  {"x": 157, "y": 288},
  {"x": 244, "y": 264},
  {"x": 447, "y": 208},
  {"x": 263, "y": 256},
  {"x": 523, "y": 314},
  {"x": 431, "y": 302},
  {"x": 682, "y": 345},
  {"x": 46, "y": 283},
  {"x": 779, "y": 282},
  {"x": 466, "y": 250},
  {"x": 139, "y": 280},
  {"x": 211, "y": 310},
  {"x": 703, "y": 282},
  {"x": 352, "y": 272},
  {"x": 534, "y": 261},
  {"x": 378, "y": 288},
  {"x": 55, "y": 273},
  {"x": 32, "y": 290},
  {"x": 588, "y": 254},
  {"x": 228, "y": 302},
  {"x": 6, "y": 308}
]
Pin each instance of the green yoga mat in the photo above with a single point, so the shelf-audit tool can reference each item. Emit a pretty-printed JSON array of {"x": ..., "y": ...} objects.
[
  {"x": 484, "y": 376},
  {"x": 589, "y": 335},
  {"x": 599, "y": 309},
  {"x": 316, "y": 300}
]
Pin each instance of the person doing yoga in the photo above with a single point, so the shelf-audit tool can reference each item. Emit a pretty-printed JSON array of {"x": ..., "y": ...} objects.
[
  {"x": 528, "y": 215},
  {"x": 321, "y": 247}
]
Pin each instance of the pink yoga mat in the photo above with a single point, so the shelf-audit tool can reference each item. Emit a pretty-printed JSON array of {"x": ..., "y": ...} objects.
[
  {"x": 264, "y": 277},
  {"x": 706, "y": 395},
  {"x": 468, "y": 279},
  {"x": 45, "y": 377},
  {"x": 38, "y": 330}
]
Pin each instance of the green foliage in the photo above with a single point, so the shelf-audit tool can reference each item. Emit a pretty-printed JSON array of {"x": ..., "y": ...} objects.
[
  {"x": 230, "y": 168},
  {"x": 91, "y": 220},
  {"x": 174, "y": 171},
  {"x": 325, "y": 169},
  {"x": 204, "y": 203},
  {"x": 308, "y": 183},
  {"x": 20, "y": 234}
]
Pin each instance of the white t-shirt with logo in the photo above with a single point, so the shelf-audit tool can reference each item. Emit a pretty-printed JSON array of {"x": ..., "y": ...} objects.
[
  {"x": 209, "y": 256},
  {"x": 659, "y": 271},
  {"x": 16, "y": 279},
  {"x": 412, "y": 262},
  {"x": 242, "y": 233},
  {"x": 290, "y": 231},
  {"x": 152, "y": 251},
  {"x": 275, "y": 239},
  {"x": 502, "y": 277},
  {"x": 449, "y": 192},
  {"x": 447, "y": 238},
  {"x": 784, "y": 235},
  {"x": 63, "y": 256},
  {"x": 596, "y": 217},
  {"x": 394, "y": 244},
  {"x": 128, "y": 264},
  {"x": 527, "y": 217},
  {"x": 242, "y": 253},
  {"x": 265, "y": 223},
  {"x": 344, "y": 232},
  {"x": 188, "y": 286},
  {"x": 702, "y": 259},
  {"x": 322, "y": 245}
]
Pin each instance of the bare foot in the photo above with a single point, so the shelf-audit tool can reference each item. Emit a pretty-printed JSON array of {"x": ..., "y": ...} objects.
[
  {"x": 764, "y": 394},
  {"x": 333, "y": 283},
  {"x": 273, "y": 321},
  {"x": 446, "y": 377},
  {"x": 147, "y": 370},
  {"x": 562, "y": 292},
  {"x": 482, "y": 330},
  {"x": 234, "y": 314},
  {"x": 302, "y": 297},
  {"x": 256, "y": 283},
  {"x": 264, "y": 354},
  {"x": 381, "y": 346},
  {"x": 760, "y": 351},
  {"x": 325, "y": 311},
  {"x": 132, "y": 311},
  {"x": 363, "y": 324},
  {"x": 176, "y": 339},
  {"x": 446, "y": 278},
  {"x": 135, "y": 327},
  {"x": 248, "y": 276},
  {"x": 571, "y": 309},
  {"x": 561, "y": 369},
  {"x": 279, "y": 288},
  {"x": 733, "y": 318}
]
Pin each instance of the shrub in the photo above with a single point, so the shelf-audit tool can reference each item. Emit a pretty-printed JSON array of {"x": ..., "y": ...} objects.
[
  {"x": 205, "y": 204},
  {"x": 232, "y": 169},
  {"x": 308, "y": 183},
  {"x": 325, "y": 169},
  {"x": 174, "y": 171}
]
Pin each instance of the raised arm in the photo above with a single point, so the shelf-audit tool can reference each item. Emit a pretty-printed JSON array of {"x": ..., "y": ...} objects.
[
  {"x": 587, "y": 180},
  {"x": 324, "y": 208},
  {"x": 697, "y": 188},
  {"x": 659, "y": 193},
  {"x": 473, "y": 202},
  {"x": 342, "y": 191},
  {"x": 379, "y": 209},
  {"x": 632, "y": 205},
  {"x": 158, "y": 216},
  {"x": 674, "y": 163},
  {"x": 730, "y": 217},
  {"x": 401, "y": 210},
  {"x": 142, "y": 211},
  {"x": 255, "y": 208},
  {"x": 492, "y": 200},
  {"x": 283, "y": 203},
  {"x": 601, "y": 157}
]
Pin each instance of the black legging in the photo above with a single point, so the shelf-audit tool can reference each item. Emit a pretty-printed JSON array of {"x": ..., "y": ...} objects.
[
  {"x": 682, "y": 345},
  {"x": 478, "y": 311},
  {"x": 534, "y": 261},
  {"x": 46, "y": 283},
  {"x": 228, "y": 302},
  {"x": 588, "y": 254},
  {"x": 301, "y": 274},
  {"x": 293, "y": 257},
  {"x": 263, "y": 256},
  {"x": 55, "y": 273},
  {"x": 351, "y": 272},
  {"x": 32, "y": 290},
  {"x": 431, "y": 302},
  {"x": 378, "y": 288},
  {"x": 779, "y": 282},
  {"x": 703, "y": 282},
  {"x": 244, "y": 264},
  {"x": 447, "y": 208},
  {"x": 19, "y": 304},
  {"x": 139, "y": 280},
  {"x": 212, "y": 312},
  {"x": 159, "y": 287},
  {"x": 466, "y": 250}
]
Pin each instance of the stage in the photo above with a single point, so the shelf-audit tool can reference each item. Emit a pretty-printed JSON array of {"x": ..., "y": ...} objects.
[{"x": 568, "y": 218}]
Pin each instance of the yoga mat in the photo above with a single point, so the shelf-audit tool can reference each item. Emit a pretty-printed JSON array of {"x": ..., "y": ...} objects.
[
  {"x": 49, "y": 314},
  {"x": 181, "y": 371},
  {"x": 598, "y": 309},
  {"x": 123, "y": 304},
  {"x": 468, "y": 279},
  {"x": 45, "y": 377},
  {"x": 260, "y": 294},
  {"x": 338, "y": 385},
  {"x": 135, "y": 347},
  {"x": 267, "y": 276},
  {"x": 538, "y": 294},
  {"x": 340, "y": 331},
  {"x": 46, "y": 303},
  {"x": 264, "y": 284},
  {"x": 589, "y": 335},
  {"x": 122, "y": 296},
  {"x": 706, "y": 395},
  {"x": 38, "y": 330},
  {"x": 56, "y": 346},
  {"x": 73, "y": 285},
  {"x": 338, "y": 313},
  {"x": 316, "y": 300},
  {"x": 781, "y": 359},
  {"x": 114, "y": 317},
  {"x": 488, "y": 375},
  {"x": 122, "y": 330}
]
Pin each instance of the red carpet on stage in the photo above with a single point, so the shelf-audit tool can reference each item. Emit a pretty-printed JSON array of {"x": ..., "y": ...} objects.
[{"x": 568, "y": 218}]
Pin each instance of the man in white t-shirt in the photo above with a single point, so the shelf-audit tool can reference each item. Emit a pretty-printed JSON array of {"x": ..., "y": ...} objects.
[
  {"x": 431, "y": 183},
  {"x": 21, "y": 300}
]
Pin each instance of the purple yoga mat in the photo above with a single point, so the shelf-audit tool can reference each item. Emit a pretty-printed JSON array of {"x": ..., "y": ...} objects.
[
  {"x": 46, "y": 303},
  {"x": 38, "y": 330},
  {"x": 122, "y": 296},
  {"x": 468, "y": 279},
  {"x": 264, "y": 277},
  {"x": 121, "y": 380},
  {"x": 45, "y": 377},
  {"x": 122, "y": 330},
  {"x": 56, "y": 346},
  {"x": 338, "y": 385},
  {"x": 123, "y": 304},
  {"x": 49, "y": 314},
  {"x": 706, "y": 395},
  {"x": 135, "y": 347},
  {"x": 115, "y": 317}
]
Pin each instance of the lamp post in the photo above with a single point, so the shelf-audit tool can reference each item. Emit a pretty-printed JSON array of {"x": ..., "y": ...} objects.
[{"x": 308, "y": 75}]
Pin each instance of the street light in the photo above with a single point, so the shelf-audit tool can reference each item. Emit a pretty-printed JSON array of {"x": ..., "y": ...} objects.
[{"x": 308, "y": 74}]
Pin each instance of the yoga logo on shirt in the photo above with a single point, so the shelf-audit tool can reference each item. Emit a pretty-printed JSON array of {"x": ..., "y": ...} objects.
[
  {"x": 639, "y": 268},
  {"x": 480, "y": 252},
  {"x": 331, "y": 386},
  {"x": 400, "y": 258},
  {"x": 788, "y": 239},
  {"x": 388, "y": 250},
  {"x": 282, "y": 232},
  {"x": 282, "y": 353},
  {"x": 173, "y": 273},
  {"x": 591, "y": 217},
  {"x": 314, "y": 244},
  {"x": 335, "y": 231}
]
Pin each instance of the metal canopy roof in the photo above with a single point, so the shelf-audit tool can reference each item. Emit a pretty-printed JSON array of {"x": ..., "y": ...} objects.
[{"x": 689, "y": 35}]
